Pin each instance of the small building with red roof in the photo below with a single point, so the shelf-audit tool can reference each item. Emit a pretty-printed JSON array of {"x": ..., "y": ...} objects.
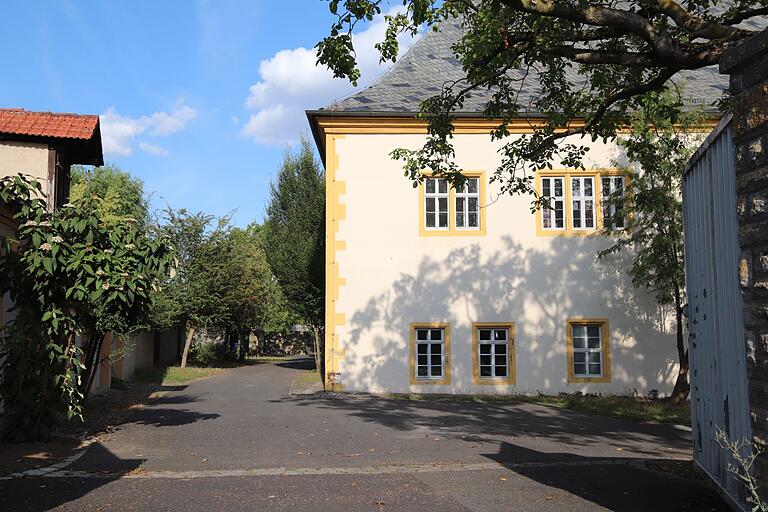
[{"x": 45, "y": 145}]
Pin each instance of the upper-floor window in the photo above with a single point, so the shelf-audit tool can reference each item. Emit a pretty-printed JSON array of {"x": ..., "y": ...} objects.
[
  {"x": 436, "y": 203},
  {"x": 580, "y": 202},
  {"x": 452, "y": 211},
  {"x": 612, "y": 198},
  {"x": 583, "y": 202},
  {"x": 468, "y": 205},
  {"x": 553, "y": 214}
]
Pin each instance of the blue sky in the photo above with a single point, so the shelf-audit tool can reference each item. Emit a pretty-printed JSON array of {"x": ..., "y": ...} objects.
[{"x": 199, "y": 99}]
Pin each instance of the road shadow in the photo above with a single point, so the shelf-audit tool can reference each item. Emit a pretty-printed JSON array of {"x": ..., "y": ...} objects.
[
  {"x": 298, "y": 363},
  {"x": 33, "y": 493},
  {"x": 619, "y": 485},
  {"x": 495, "y": 419}
]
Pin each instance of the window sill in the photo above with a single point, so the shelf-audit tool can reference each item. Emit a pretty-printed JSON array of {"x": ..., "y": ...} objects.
[
  {"x": 451, "y": 232},
  {"x": 588, "y": 380}
]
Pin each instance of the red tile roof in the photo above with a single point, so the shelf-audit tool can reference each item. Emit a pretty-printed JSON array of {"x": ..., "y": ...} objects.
[{"x": 18, "y": 121}]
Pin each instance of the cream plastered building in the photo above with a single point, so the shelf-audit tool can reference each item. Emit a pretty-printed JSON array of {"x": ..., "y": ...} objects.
[{"x": 434, "y": 290}]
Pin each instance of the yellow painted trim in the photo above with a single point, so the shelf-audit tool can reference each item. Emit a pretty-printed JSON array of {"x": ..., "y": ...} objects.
[
  {"x": 567, "y": 174},
  {"x": 606, "y": 350},
  {"x": 334, "y": 213},
  {"x": 511, "y": 371},
  {"x": 410, "y": 125},
  {"x": 447, "y": 356},
  {"x": 452, "y": 230}
]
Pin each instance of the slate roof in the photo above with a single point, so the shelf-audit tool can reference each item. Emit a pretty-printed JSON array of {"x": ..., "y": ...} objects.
[{"x": 430, "y": 63}]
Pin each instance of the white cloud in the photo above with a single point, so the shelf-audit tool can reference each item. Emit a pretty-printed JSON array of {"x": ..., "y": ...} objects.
[
  {"x": 153, "y": 149},
  {"x": 290, "y": 83},
  {"x": 119, "y": 133}
]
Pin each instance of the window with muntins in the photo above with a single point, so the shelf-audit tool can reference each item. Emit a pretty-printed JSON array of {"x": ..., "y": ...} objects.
[
  {"x": 583, "y": 202},
  {"x": 587, "y": 349},
  {"x": 430, "y": 353},
  {"x": 612, "y": 198},
  {"x": 468, "y": 205},
  {"x": 436, "y": 198},
  {"x": 553, "y": 215},
  {"x": 493, "y": 352}
]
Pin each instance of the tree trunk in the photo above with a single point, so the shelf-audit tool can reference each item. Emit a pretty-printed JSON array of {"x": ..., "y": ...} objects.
[
  {"x": 682, "y": 386},
  {"x": 243, "y": 346},
  {"x": 319, "y": 352},
  {"x": 187, "y": 344},
  {"x": 92, "y": 363}
]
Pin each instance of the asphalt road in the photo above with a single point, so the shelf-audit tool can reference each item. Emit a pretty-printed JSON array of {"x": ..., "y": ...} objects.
[{"x": 240, "y": 441}]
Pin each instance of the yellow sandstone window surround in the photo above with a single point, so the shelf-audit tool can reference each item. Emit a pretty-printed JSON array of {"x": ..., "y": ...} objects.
[
  {"x": 579, "y": 201},
  {"x": 445, "y": 211},
  {"x": 430, "y": 353},
  {"x": 493, "y": 353},
  {"x": 589, "y": 350}
]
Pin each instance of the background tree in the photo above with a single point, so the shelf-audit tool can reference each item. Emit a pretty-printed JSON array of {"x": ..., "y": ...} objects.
[
  {"x": 294, "y": 238},
  {"x": 591, "y": 60},
  {"x": 661, "y": 141},
  {"x": 190, "y": 298},
  {"x": 253, "y": 287},
  {"x": 121, "y": 196}
]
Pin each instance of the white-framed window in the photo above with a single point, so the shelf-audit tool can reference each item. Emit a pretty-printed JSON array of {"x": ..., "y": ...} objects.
[
  {"x": 436, "y": 198},
  {"x": 430, "y": 353},
  {"x": 493, "y": 352},
  {"x": 612, "y": 193},
  {"x": 587, "y": 349},
  {"x": 553, "y": 216},
  {"x": 583, "y": 202},
  {"x": 468, "y": 205}
]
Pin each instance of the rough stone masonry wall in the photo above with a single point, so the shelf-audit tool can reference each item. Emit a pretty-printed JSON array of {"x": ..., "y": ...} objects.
[{"x": 748, "y": 69}]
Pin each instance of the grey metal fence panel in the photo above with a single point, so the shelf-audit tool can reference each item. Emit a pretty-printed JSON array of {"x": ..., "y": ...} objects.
[{"x": 715, "y": 316}]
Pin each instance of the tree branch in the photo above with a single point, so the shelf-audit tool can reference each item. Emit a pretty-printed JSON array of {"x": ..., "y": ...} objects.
[{"x": 696, "y": 26}]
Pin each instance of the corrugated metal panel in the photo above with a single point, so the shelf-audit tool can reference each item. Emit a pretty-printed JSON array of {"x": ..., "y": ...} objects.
[{"x": 716, "y": 327}]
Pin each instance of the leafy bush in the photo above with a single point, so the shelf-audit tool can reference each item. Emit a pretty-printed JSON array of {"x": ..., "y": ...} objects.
[
  {"x": 204, "y": 353},
  {"x": 70, "y": 274}
]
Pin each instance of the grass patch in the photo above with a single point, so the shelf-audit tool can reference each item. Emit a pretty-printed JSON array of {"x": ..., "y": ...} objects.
[
  {"x": 618, "y": 407},
  {"x": 173, "y": 374},
  {"x": 309, "y": 376}
]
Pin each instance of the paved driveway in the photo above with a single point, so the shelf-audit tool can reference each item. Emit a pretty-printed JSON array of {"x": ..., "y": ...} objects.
[{"x": 240, "y": 441}]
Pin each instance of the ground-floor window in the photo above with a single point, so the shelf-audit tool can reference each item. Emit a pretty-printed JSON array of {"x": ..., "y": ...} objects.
[
  {"x": 589, "y": 350},
  {"x": 430, "y": 353},
  {"x": 494, "y": 355}
]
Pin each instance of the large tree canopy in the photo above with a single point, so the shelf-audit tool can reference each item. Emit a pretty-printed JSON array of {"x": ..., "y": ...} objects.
[{"x": 591, "y": 60}]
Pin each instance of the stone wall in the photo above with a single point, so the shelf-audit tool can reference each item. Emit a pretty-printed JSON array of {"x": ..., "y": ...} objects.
[{"x": 747, "y": 66}]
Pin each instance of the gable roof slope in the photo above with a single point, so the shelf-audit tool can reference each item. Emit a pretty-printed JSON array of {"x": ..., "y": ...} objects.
[{"x": 430, "y": 63}]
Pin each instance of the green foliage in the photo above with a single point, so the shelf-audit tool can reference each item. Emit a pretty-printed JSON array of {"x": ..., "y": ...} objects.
[
  {"x": 591, "y": 60},
  {"x": 743, "y": 453},
  {"x": 119, "y": 195},
  {"x": 294, "y": 233},
  {"x": 69, "y": 273},
  {"x": 294, "y": 237},
  {"x": 222, "y": 282},
  {"x": 660, "y": 142},
  {"x": 204, "y": 354}
]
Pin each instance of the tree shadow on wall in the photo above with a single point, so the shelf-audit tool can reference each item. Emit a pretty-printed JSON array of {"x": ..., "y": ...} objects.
[{"x": 538, "y": 288}]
